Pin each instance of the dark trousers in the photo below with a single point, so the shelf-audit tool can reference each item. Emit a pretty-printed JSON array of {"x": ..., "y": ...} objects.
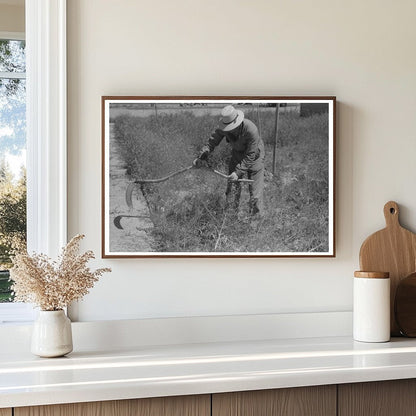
[{"x": 256, "y": 189}]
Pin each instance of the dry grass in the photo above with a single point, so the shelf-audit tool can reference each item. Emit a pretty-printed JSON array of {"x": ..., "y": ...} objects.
[{"x": 188, "y": 210}]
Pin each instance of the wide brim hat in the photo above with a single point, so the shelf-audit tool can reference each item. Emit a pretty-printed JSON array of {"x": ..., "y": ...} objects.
[{"x": 230, "y": 118}]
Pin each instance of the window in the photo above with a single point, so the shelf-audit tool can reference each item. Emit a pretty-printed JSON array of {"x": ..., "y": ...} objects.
[
  {"x": 46, "y": 134},
  {"x": 12, "y": 154},
  {"x": 12, "y": 164}
]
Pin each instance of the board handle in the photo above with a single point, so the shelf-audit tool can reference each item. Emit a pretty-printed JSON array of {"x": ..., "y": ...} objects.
[{"x": 391, "y": 214}]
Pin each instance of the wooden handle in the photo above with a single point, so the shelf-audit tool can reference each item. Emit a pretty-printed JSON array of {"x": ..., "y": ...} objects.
[
  {"x": 391, "y": 214},
  {"x": 165, "y": 178},
  {"x": 129, "y": 194},
  {"x": 223, "y": 175}
]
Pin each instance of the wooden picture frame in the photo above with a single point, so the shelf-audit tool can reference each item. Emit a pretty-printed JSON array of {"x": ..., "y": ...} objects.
[{"x": 169, "y": 166}]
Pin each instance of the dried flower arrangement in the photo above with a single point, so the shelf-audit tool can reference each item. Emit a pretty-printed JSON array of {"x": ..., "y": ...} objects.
[{"x": 53, "y": 285}]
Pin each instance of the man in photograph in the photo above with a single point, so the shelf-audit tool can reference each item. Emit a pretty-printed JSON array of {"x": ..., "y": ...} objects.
[{"x": 247, "y": 158}]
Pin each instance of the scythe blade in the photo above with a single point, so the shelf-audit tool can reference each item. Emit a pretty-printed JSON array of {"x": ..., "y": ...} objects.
[{"x": 117, "y": 222}]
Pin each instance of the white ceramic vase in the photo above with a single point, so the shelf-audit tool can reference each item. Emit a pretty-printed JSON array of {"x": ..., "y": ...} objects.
[{"x": 52, "y": 334}]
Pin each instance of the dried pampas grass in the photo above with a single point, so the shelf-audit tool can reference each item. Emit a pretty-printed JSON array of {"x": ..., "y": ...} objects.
[{"x": 53, "y": 285}]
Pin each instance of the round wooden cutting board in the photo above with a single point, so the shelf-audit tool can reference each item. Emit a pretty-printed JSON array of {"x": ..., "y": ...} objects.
[
  {"x": 393, "y": 250},
  {"x": 405, "y": 305}
]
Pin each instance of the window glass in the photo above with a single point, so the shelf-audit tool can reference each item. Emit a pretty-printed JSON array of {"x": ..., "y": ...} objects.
[
  {"x": 12, "y": 156},
  {"x": 12, "y": 56}
]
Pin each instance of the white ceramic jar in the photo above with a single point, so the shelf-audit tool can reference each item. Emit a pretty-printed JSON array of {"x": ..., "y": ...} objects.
[
  {"x": 52, "y": 334},
  {"x": 371, "y": 309}
]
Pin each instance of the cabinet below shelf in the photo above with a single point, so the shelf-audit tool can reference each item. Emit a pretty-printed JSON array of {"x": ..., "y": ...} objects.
[
  {"x": 313, "y": 400},
  {"x": 161, "y": 406},
  {"x": 382, "y": 398}
]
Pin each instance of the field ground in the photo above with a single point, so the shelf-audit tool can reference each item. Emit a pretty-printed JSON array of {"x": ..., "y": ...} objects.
[{"x": 188, "y": 210}]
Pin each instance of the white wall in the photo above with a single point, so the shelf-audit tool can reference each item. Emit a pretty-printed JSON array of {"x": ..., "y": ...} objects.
[{"x": 361, "y": 51}]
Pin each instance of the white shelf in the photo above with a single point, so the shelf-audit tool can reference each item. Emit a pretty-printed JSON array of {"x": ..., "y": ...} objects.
[{"x": 151, "y": 371}]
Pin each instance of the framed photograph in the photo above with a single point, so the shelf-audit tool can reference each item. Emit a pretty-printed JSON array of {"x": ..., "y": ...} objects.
[{"x": 218, "y": 176}]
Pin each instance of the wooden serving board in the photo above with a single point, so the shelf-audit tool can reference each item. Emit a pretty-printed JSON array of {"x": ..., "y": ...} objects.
[
  {"x": 393, "y": 250},
  {"x": 405, "y": 305}
]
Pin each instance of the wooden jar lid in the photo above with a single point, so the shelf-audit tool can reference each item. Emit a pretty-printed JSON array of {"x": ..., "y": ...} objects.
[{"x": 372, "y": 275}]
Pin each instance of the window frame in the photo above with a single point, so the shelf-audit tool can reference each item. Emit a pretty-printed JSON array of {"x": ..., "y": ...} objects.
[
  {"x": 46, "y": 136},
  {"x": 46, "y": 125}
]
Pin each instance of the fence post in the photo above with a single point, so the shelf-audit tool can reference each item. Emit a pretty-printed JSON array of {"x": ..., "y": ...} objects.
[
  {"x": 258, "y": 119},
  {"x": 276, "y": 135}
]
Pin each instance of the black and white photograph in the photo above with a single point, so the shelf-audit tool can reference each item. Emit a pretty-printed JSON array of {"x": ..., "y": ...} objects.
[{"x": 218, "y": 176}]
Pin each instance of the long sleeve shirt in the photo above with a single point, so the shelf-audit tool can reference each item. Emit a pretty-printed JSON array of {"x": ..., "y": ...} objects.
[{"x": 246, "y": 144}]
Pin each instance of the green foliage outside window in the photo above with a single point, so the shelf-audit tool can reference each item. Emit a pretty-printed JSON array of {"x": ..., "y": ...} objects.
[
  {"x": 12, "y": 145},
  {"x": 12, "y": 223}
]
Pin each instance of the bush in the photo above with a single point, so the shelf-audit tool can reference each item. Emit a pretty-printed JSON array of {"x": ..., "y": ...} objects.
[{"x": 12, "y": 215}]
